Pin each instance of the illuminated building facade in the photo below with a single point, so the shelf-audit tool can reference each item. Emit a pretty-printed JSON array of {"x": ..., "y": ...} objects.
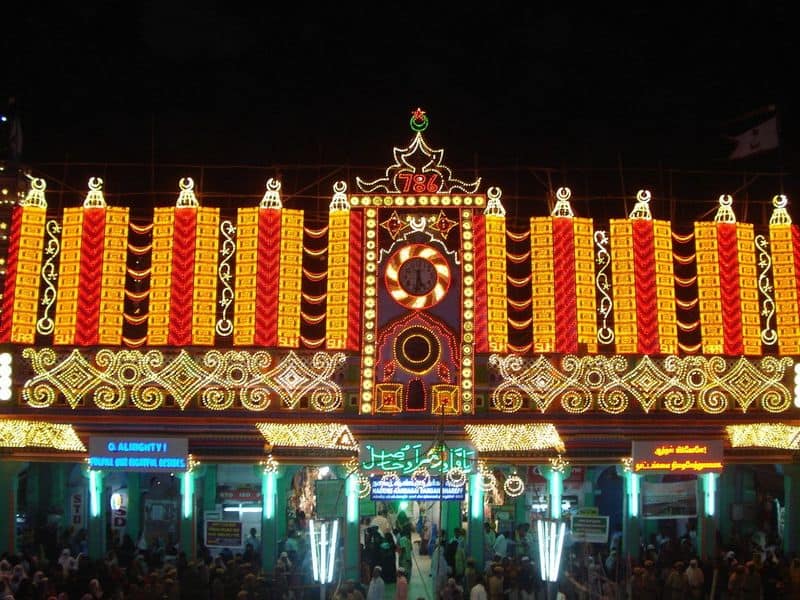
[{"x": 205, "y": 337}]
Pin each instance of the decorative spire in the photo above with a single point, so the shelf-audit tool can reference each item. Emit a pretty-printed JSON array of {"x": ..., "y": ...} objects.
[
  {"x": 187, "y": 199},
  {"x": 419, "y": 120},
  {"x": 494, "y": 207},
  {"x": 272, "y": 197},
  {"x": 339, "y": 201},
  {"x": 563, "y": 208},
  {"x": 95, "y": 198},
  {"x": 725, "y": 212},
  {"x": 641, "y": 210},
  {"x": 35, "y": 196},
  {"x": 780, "y": 216}
]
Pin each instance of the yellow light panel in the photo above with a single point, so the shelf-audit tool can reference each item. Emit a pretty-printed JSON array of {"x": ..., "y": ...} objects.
[
  {"x": 24, "y": 434},
  {"x": 514, "y": 438}
]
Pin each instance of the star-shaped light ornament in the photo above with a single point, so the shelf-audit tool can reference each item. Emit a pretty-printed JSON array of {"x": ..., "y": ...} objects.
[
  {"x": 394, "y": 225},
  {"x": 442, "y": 225},
  {"x": 419, "y": 120}
]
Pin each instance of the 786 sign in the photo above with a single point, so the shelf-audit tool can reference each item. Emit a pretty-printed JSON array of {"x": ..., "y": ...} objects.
[{"x": 419, "y": 183}]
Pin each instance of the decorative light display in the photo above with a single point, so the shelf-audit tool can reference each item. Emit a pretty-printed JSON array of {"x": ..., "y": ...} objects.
[
  {"x": 20, "y": 297},
  {"x": 421, "y": 292},
  {"x": 605, "y": 334},
  {"x": 551, "y": 543},
  {"x": 369, "y": 325},
  {"x": 784, "y": 239},
  {"x": 272, "y": 197},
  {"x": 768, "y": 334},
  {"x": 488, "y": 480},
  {"x": 333, "y": 436},
  {"x": 493, "y": 248},
  {"x": 364, "y": 486},
  {"x": 513, "y": 486},
  {"x": 709, "y": 493},
  {"x": 17, "y": 433},
  {"x": 45, "y": 325},
  {"x": 290, "y": 278},
  {"x": 336, "y": 324},
  {"x": 404, "y": 177},
  {"x": 146, "y": 379},
  {"x": 643, "y": 282},
  {"x": 632, "y": 492},
  {"x": 269, "y": 464},
  {"x": 726, "y": 281},
  {"x": 514, "y": 438},
  {"x": 6, "y": 372},
  {"x": 559, "y": 464},
  {"x": 456, "y": 477},
  {"x": 797, "y": 385},
  {"x": 764, "y": 435},
  {"x": 224, "y": 326},
  {"x": 610, "y": 383},
  {"x": 421, "y": 478},
  {"x": 323, "y": 550},
  {"x": 467, "y": 353}
]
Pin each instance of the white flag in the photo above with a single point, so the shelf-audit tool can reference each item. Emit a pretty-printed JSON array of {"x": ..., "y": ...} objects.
[{"x": 758, "y": 139}]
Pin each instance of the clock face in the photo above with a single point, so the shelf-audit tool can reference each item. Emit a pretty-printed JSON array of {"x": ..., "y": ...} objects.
[{"x": 417, "y": 276}]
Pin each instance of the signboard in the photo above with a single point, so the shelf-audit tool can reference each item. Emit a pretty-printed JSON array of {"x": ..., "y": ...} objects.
[
  {"x": 239, "y": 494},
  {"x": 404, "y": 488},
  {"x": 144, "y": 454},
  {"x": 330, "y": 498},
  {"x": 590, "y": 528},
  {"x": 672, "y": 500},
  {"x": 223, "y": 534},
  {"x": 406, "y": 457},
  {"x": 689, "y": 456},
  {"x": 77, "y": 508}
]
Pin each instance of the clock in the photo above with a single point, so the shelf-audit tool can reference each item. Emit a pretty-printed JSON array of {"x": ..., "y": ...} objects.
[{"x": 417, "y": 276}]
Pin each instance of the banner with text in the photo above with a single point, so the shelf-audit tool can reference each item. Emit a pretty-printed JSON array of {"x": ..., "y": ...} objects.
[
  {"x": 223, "y": 534},
  {"x": 144, "y": 454},
  {"x": 691, "y": 456},
  {"x": 672, "y": 500},
  {"x": 404, "y": 488},
  {"x": 589, "y": 528},
  {"x": 405, "y": 458}
]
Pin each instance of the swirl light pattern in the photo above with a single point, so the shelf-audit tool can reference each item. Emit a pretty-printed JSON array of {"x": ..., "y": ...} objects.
[
  {"x": 146, "y": 380},
  {"x": 224, "y": 326},
  {"x": 610, "y": 384}
]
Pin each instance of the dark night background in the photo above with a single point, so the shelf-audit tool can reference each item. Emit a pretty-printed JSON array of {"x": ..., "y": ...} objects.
[{"x": 506, "y": 87}]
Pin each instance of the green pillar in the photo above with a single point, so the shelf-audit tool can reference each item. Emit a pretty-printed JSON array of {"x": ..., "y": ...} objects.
[
  {"x": 33, "y": 503},
  {"x": 9, "y": 485},
  {"x": 188, "y": 529},
  {"x": 273, "y": 530},
  {"x": 57, "y": 492},
  {"x": 791, "y": 524},
  {"x": 475, "y": 546},
  {"x": 707, "y": 515},
  {"x": 726, "y": 490},
  {"x": 98, "y": 508},
  {"x": 352, "y": 545},
  {"x": 134, "y": 525},
  {"x": 631, "y": 519},
  {"x": 451, "y": 518},
  {"x": 210, "y": 488}
]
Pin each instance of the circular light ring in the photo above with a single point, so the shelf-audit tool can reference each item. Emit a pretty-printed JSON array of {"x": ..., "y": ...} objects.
[
  {"x": 456, "y": 477},
  {"x": 514, "y": 486},
  {"x": 391, "y": 478},
  {"x": 421, "y": 478},
  {"x": 417, "y": 350},
  {"x": 488, "y": 481},
  {"x": 404, "y": 298}
]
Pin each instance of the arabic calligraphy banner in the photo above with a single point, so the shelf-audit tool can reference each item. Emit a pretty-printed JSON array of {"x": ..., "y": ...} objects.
[
  {"x": 689, "y": 456},
  {"x": 406, "y": 457}
]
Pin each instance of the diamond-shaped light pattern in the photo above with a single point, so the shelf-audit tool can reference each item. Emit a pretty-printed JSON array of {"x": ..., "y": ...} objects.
[{"x": 5, "y": 376}]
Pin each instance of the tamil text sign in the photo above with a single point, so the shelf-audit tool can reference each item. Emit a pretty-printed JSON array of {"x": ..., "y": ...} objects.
[
  {"x": 223, "y": 534},
  {"x": 677, "y": 457}
]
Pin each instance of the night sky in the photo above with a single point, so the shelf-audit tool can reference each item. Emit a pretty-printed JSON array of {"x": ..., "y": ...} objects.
[{"x": 503, "y": 85}]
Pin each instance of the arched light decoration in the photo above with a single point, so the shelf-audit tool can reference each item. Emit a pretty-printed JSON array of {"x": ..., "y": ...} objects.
[
  {"x": 421, "y": 478},
  {"x": 272, "y": 197},
  {"x": 494, "y": 207},
  {"x": 456, "y": 477},
  {"x": 95, "y": 198},
  {"x": 35, "y": 195},
  {"x": 513, "y": 485},
  {"x": 563, "y": 208},
  {"x": 339, "y": 201},
  {"x": 364, "y": 486}
]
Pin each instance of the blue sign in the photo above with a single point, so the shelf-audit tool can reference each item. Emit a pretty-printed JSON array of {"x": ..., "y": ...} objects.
[
  {"x": 142, "y": 454},
  {"x": 405, "y": 488}
]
